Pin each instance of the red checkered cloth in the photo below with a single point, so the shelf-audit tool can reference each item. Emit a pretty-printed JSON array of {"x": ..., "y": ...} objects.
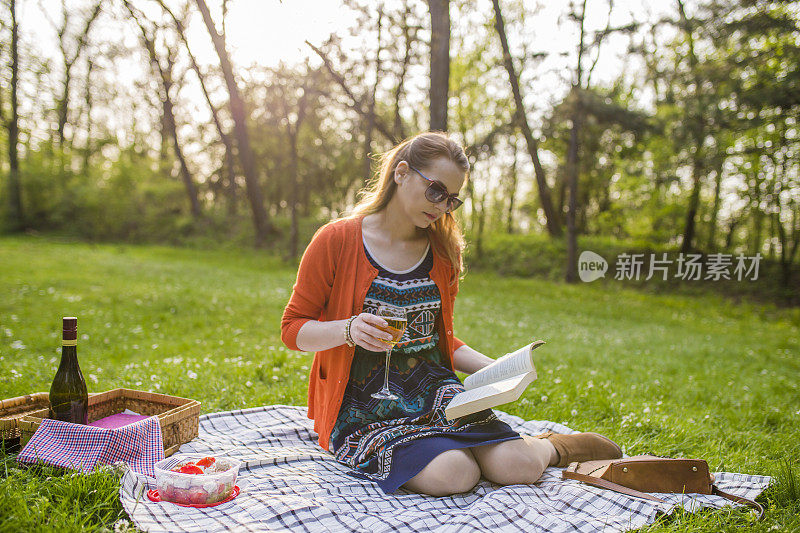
[{"x": 84, "y": 447}]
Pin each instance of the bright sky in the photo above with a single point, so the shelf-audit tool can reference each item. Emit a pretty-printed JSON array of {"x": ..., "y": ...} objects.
[{"x": 264, "y": 32}]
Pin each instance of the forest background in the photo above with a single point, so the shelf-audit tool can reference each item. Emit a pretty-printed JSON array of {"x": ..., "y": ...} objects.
[{"x": 635, "y": 127}]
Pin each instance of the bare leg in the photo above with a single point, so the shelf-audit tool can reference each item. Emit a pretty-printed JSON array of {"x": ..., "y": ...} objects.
[
  {"x": 515, "y": 461},
  {"x": 450, "y": 472},
  {"x": 546, "y": 445}
]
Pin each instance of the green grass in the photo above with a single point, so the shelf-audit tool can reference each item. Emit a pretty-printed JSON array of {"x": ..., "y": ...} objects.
[{"x": 659, "y": 373}]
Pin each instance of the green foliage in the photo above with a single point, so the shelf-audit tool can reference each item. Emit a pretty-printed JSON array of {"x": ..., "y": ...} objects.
[
  {"x": 786, "y": 490},
  {"x": 541, "y": 257},
  {"x": 124, "y": 200},
  {"x": 519, "y": 255}
]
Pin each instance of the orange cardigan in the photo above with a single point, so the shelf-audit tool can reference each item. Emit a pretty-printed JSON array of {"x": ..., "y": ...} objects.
[{"x": 332, "y": 282}]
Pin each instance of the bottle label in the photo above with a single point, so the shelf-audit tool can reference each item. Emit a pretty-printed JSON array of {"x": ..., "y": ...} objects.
[{"x": 67, "y": 342}]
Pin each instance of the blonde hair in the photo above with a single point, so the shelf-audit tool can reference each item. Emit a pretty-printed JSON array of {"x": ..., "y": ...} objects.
[{"x": 418, "y": 151}]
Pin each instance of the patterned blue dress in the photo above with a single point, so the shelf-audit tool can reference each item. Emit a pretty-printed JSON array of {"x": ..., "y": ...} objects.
[{"x": 391, "y": 441}]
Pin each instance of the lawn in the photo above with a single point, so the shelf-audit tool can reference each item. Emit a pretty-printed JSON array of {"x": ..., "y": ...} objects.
[{"x": 663, "y": 374}]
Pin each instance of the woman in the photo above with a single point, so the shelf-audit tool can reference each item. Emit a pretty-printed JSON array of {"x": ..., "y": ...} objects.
[{"x": 402, "y": 246}]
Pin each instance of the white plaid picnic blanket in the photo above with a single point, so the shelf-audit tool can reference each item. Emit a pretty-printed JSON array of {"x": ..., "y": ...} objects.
[{"x": 289, "y": 483}]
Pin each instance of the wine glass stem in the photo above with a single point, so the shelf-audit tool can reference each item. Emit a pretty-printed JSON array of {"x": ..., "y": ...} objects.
[{"x": 386, "y": 371}]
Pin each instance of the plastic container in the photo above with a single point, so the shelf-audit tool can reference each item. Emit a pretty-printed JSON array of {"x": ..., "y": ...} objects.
[{"x": 196, "y": 489}]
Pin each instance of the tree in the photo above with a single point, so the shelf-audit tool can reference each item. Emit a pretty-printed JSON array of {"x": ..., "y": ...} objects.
[
  {"x": 439, "y": 63},
  {"x": 370, "y": 117},
  {"x": 295, "y": 94},
  {"x": 409, "y": 33},
  {"x": 551, "y": 217},
  {"x": 696, "y": 123},
  {"x": 15, "y": 213},
  {"x": 225, "y": 138},
  {"x": 263, "y": 226},
  {"x": 580, "y": 84},
  {"x": 164, "y": 74},
  {"x": 69, "y": 58}
]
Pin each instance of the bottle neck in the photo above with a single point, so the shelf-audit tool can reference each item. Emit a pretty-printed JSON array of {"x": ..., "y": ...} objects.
[{"x": 69, "y": 351}]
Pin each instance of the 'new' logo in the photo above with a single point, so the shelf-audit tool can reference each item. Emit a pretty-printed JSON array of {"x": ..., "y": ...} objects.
[{"x": 591, "y": 266}]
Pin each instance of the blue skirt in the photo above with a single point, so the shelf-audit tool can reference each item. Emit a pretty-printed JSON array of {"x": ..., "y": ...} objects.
[{"x": 391, "y": 441}]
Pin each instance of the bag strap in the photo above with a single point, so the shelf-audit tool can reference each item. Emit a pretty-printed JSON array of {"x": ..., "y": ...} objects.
[
  {"x": 603, "y": 484},
  {"x": 757, "y": 508}
]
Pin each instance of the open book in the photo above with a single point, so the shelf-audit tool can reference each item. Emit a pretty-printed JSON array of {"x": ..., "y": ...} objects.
[{"x": 500, "y": 382}]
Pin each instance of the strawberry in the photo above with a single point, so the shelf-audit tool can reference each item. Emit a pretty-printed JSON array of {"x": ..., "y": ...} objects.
[
  {"x": 190, "y": 469},
  {"x": 205, "y": 462}
]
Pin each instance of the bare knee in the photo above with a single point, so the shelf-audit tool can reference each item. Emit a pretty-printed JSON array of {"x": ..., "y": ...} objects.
[
  {"x": 462, "y": 476},
  {"x": 509, "y": 464},
  {"x": 450, "y": 472},
  {"x": 523, "y": 468}
]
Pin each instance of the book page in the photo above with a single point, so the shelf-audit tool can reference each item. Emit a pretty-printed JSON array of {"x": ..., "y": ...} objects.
[
  {"x": 510, "y": 365},
  {"x": 487, "y": 396},
  {"x": 486, "y": 391}
]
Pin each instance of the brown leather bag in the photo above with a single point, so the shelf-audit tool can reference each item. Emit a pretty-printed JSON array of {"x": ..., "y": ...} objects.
[{"x": 640, "y": 474}]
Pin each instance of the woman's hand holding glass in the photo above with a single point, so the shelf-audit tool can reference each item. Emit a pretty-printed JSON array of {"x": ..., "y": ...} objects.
[
  {"x": 365, "y": 332},
  {"x": 396, "y": 319}
]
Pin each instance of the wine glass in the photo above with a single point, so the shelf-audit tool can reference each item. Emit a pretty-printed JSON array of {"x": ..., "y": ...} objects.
[{"x": 396, "y": 319}]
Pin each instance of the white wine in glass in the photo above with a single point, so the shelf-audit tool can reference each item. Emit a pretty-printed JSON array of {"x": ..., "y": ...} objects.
[{"x": 395, "y": 317}]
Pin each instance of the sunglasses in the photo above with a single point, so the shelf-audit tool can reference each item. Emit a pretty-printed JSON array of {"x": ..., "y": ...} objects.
[{"x": 436, "y": 192}]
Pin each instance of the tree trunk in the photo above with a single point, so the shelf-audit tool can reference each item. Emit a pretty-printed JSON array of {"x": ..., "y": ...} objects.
[
  {"x": 553, "y": 225},
  {"x": 729, "y": 237},
  {"x": 294, "y": 133},
  {"x": 294, "y": 193},
  {"x": 186, "y": 175},
  {"x": 408, "y": 39},
  {"x": 87, "y": 150},
  {"x": 440, "y": 63},
  {"x": 370, "y": 118},
  {"x": 15, "y": 212},
  {"x": 230, "y": 170},
  {"x": 697, "y": 127},
  {"x": 691, "y": 212},
  {"x": 788, "y": 250},
  {"x": 712, "y": 229},
  {"x": 513, "y": 188},
  {"x": 470, "y": 195},
  {"x": 561, "y": 184},
  {"x": 263, "y": 227},
  {"x": 62, "y": 104},
  {"x": 572, "y": 166},
  {"x": 572, "y": 158},
  {"x": 69, "y": 61},
  {"x": 757, "y": 215},
  {"x": 170, "y": 128},
  {"x": 230, "y": 158},
  {"x": 771, "y": 243},
  {"x": 481, "y": 221}
]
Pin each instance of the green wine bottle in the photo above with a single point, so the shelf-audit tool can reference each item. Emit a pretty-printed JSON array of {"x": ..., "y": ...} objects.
[{"x": 69, "y": 400}]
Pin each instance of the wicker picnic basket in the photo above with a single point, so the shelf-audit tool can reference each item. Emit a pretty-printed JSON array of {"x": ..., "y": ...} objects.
[
  {"x": 179, "y": 417},
  {"x": 12, "y": 409}
]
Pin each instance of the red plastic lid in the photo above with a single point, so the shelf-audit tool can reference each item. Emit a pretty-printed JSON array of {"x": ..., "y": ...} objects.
[{"x": 154, "y": 497}]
